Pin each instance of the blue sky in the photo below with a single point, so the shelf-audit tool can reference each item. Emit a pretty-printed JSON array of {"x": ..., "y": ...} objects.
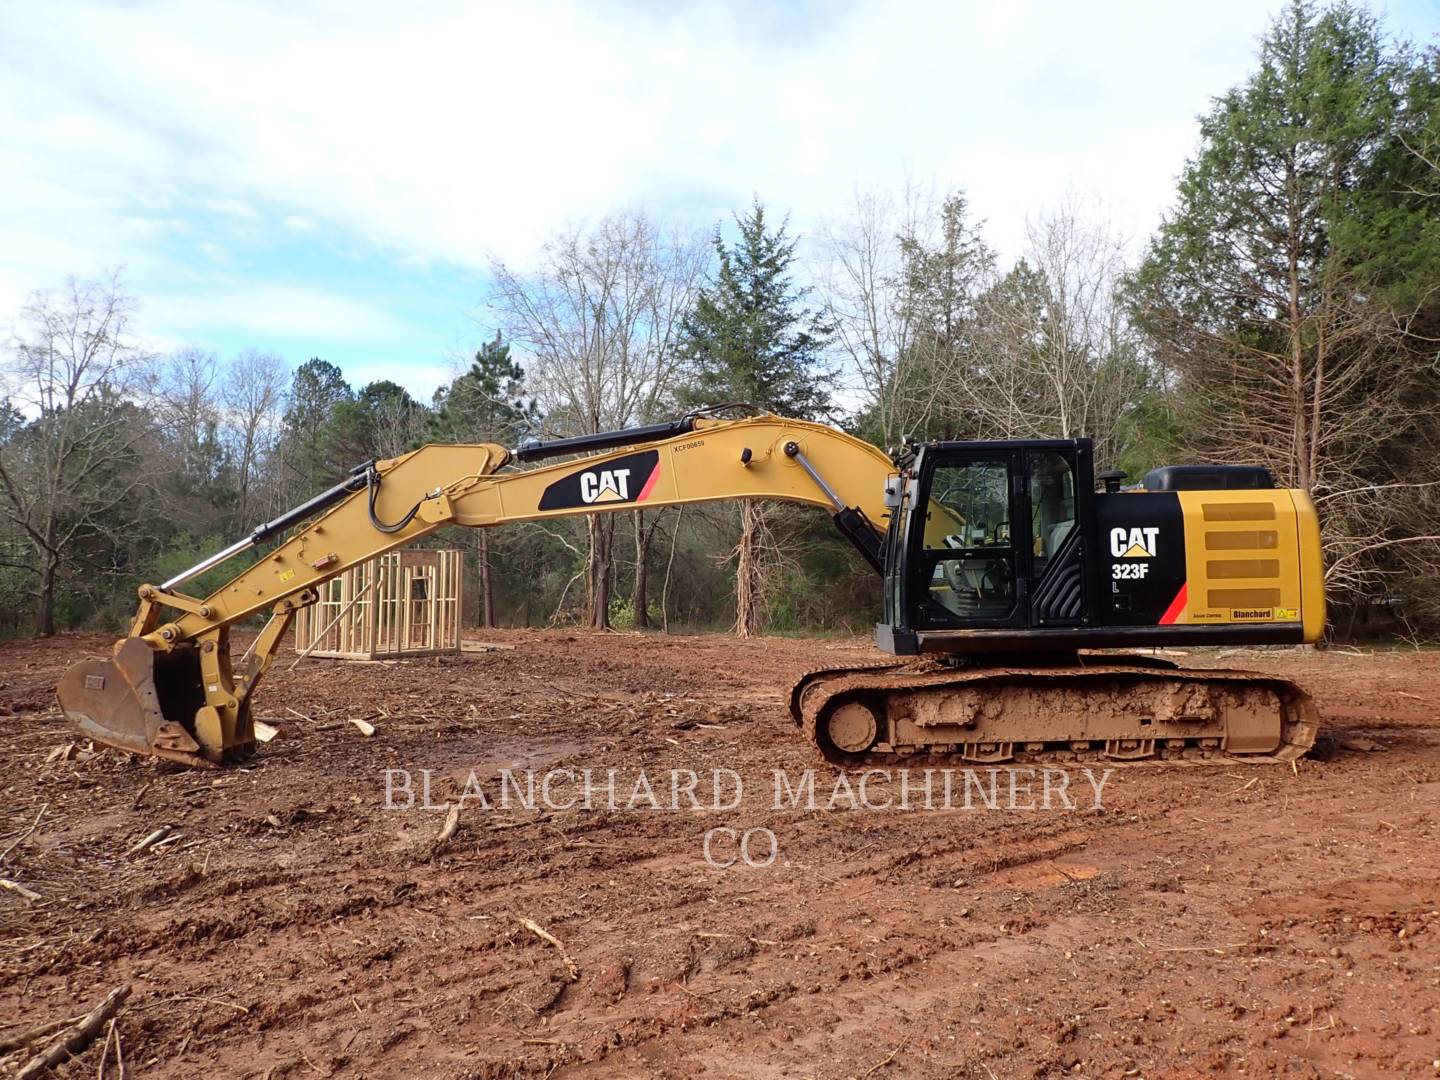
[{"x": 333, "y": 179}]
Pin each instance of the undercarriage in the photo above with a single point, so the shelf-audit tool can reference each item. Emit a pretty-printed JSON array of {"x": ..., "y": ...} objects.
[{"x": 1079, "y": 708}]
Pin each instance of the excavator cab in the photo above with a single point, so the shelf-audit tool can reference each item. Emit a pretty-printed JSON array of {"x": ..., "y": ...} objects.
[{"x": 989, "y": 536}]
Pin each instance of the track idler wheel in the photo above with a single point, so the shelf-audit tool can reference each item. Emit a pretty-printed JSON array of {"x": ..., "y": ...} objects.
[{"x": 852, "y": 727}]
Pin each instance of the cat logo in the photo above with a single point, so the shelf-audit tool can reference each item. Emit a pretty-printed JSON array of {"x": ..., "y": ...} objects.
[
  {"x": 630, "y": 478},
  {"x": 607, "y": 485},
  {"x": 1136, "y": 543}
]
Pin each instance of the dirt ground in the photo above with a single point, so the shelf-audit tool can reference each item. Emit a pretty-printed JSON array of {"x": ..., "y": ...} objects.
[{"x": 1216, "y": 921}]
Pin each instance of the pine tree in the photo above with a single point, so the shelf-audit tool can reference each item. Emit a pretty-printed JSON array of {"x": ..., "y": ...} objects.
[
  {"x": 318, "y": 387},
  {"x": 752, "y": 338},
  {"x": 486, "y": 404},
  {"x": 1287, "y": 287}
]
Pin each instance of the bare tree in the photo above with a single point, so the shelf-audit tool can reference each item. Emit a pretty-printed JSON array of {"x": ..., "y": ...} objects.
[
  {"x": 898, "y": 274},
  {"x": 861, "y": 282},
  {"x": 182, "y": 399},
  {"x": 598, "y": 320},
  {"x": 252, "y": 395},
  {"x": 903, "y": 279},
  {"x": 76, "y": 362},
  {"x": 1054, "y": 354}
]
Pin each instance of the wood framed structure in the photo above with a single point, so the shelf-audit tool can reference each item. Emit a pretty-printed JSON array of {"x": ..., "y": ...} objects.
[{"x": 402, "y": 603}]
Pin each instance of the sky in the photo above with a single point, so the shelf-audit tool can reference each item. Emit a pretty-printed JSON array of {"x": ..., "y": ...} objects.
[{"x": 334, "y": 179}]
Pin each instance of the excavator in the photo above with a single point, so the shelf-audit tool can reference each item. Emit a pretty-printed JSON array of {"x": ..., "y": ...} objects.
[{"x": 1009, "y": 570}]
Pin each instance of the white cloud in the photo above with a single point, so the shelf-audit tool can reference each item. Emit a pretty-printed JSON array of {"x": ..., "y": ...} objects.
[
  {"x": 271, "y": 310},
  {"x": 438, "y": 132}
]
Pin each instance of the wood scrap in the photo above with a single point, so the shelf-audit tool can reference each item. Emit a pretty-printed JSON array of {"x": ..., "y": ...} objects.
[
  {"x": 501, "y": 826},
  {"x": 572, "y": 970},
  {"x": 77, "y": 1039},
  {"x": 25, "y": 835},
  {"x": 366, "y": 728},
  {"x": 105, "y": 1050},
  {"x": 119, "y": 1054},
  {"x": 265, "y": 732},
  {"x": 1359, "y": 744},
  {"x": 452, "y": 823},
  {"x": 150, "y": 841},
  {"x": 19, "y": 1039},
  {"x": 15, "y": 886},
  {"x": 886, "y": 1060}
]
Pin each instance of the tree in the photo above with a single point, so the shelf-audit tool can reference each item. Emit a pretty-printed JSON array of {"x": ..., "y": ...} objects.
[
  {"x": 488, "y": 403},
  {"x": 317, "y": 388},
  {"x": 598, "y": 320},
  {"x": 381, "y": 421},
  {"x": 751, "y": 338},
  {"x": 71, "y": 465},
  {"x": 1284, "y": 289},
  {"x": 1052, "y": 353},
  {"x": 902, "y": 282},
  {"x": 184, "y": 401},
  {"x": 252, "y": 394}
]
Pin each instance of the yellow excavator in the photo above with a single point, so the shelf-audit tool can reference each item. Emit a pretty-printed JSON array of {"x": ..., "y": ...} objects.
[{"x": 1004, "y": 568}]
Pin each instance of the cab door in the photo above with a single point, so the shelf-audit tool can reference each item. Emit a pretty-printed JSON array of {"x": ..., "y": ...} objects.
[
  {"x": 1057, "y": 497},
  {"x": 966, "y": 534}
]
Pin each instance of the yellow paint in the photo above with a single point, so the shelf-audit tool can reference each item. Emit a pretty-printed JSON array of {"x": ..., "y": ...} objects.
[{"x": 1271, "y": 573}]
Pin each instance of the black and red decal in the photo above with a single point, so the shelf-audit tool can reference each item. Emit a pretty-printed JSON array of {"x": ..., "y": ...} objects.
[
  {"x": 1141, "y": 542},
  {"x": 1177, "y": 606},
  {"x": 618, "y": 481}
]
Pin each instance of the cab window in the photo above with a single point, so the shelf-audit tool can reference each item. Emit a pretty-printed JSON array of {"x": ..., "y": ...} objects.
[
  {"x": 1051, "y": 483},
  {"x": 967, "y": 540}
]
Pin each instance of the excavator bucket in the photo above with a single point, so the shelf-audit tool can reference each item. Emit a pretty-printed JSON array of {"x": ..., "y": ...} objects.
[{"x": 140, "y": 700}]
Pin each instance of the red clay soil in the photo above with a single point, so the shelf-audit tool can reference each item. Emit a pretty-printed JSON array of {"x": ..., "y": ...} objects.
[{"x": 1220, "y": 920}]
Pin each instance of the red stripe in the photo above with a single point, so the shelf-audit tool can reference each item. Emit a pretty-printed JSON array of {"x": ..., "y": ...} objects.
[
  {"x": 649, "y": 484},
  {"x": 1176, "y": 606}
]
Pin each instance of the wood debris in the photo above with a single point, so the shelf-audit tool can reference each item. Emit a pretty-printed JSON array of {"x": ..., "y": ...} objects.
[
  {"x": 76, "y": 1040},
  {"x": 150, "y": 841},
  {"x": 15, "y": 886},
  {"x": 572, "y": 970},
  {"x": 452, "y": 823}
]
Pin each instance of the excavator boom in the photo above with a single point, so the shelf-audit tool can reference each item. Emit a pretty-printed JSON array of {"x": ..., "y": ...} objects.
[{"x": 171, "y": 688}]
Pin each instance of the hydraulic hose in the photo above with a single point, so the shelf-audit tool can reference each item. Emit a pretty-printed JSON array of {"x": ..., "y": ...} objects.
[{"x": 372, "y": 478}]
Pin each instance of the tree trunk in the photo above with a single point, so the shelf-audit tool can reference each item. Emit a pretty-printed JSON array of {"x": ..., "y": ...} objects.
[
  {"x": 1299, "y": 459},
  {"x": 600, "y": 531},
  {"x": 747, "y": 572},
  {"x": 487, "y": 583},
  {"x": 45, "y": 613},
  {"x": 640, "y": 597}
]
